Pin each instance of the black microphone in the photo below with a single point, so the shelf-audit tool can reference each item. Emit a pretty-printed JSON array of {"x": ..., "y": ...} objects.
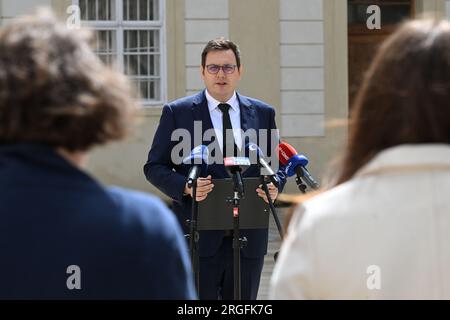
[
  {"x": 199, "y": 159},
  {"x": 253, "y": 148}
]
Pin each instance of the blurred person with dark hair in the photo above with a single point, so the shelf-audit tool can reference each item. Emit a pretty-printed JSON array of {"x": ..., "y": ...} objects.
[
  {"x": 62, "y": 234},
  {"x": 382, "y": 231}
]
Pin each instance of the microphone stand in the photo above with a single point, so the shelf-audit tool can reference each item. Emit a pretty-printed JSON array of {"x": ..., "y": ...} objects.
[
  {"x": 274, "y": 212},
  {"x": 300, "y": 184},
  {"x": 194, "y": 236},
  {"x": 238, "y": 243},
  {"x": 272, "y": 207}
]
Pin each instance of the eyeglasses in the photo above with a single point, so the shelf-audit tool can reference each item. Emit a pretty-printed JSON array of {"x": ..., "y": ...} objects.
[{"x": 226, "y": 68}]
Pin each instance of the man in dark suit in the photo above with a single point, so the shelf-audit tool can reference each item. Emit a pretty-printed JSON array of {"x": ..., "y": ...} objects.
[{"x": 219, "y": 108}]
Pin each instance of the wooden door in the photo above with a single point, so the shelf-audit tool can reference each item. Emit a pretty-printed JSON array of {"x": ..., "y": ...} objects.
[{"x": 363, "y": 42}]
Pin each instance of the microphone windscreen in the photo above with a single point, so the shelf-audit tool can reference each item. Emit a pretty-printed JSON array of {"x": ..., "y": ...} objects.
[
  {"x": 285, "y": 152},
  {"x": 253, "y": 147},
  {"x": 294, "y": 162},
  {"x": 199, "y": 155},
  {"x": 236, "y": 161}
]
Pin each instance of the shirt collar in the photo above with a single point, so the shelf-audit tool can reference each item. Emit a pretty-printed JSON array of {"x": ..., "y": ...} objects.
[{"x": 213, "y": 103}]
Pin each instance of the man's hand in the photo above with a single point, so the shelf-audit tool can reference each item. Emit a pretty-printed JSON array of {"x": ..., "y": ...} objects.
[
  {"x": 204, "y": 186},
  {"x": 273, "y": 191}
]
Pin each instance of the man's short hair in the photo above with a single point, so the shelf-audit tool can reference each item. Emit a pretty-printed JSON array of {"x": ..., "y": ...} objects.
[
  {"x": 221, "y": 44},
  {"x": 54, "y": 90}
]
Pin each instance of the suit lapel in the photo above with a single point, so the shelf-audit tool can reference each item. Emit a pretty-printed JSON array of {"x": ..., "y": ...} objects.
[
  {"x": 200, "y": 111},
  {"x": 249, "y": 120}
]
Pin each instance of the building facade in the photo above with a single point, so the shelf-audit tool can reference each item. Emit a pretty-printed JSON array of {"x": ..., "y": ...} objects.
[{"x": 304, "y": 57}]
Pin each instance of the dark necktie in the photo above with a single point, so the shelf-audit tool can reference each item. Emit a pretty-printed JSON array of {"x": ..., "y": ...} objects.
[{"x": 226, "y": 125}]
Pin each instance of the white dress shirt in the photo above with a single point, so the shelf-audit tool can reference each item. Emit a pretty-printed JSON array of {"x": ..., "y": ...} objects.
[{"x": 216, "y": 118}]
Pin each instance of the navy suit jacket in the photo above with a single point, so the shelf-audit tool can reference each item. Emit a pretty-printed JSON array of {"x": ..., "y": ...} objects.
[
  {"x": 170, "y": 178},
  {"x": 127, "y": 244}
]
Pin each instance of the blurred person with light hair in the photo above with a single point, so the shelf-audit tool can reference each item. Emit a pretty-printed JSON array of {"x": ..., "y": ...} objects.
[
  {"x": 382, "y": 231},
  {"x": 63, "y": 235}
]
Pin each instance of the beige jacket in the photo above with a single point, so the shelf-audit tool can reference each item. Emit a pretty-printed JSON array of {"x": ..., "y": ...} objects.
[{"x": 385, "y": 234}]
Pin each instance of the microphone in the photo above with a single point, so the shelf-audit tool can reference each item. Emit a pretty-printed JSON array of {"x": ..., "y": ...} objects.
[
  {"x": 295, "y": 164},
  {"x": 254, "y": 149},
  {"x": 199, "y": 158},
  {"x": 235, "y": 165}
]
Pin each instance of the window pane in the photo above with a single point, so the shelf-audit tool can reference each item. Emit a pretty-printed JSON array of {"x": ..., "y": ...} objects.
[
  {"x": 130, "y": 10},
  {"x": 95, "y": 10},
  {"x": 131, "y": 41},
  {"x": 149, "y": 89},
  {"x": 131, "y": 64},
  {"x": 91, "y": 11},
  {"x": 154, "y": 65},
  {"x": 106, "y": 41},
  {"x": 155, "y": 90},
  {"x": 144, "y": 89},
  {"x": 154, "y": 41},
  {"x": 144, "y": 10},
  {"x": 101, "y": 9},
  {"x": 104, "y": 9},
  {"x": 83, "y": 12},
  {"x": 141, "y": 41},
  {"x": 154, "y": 9},
  {"x": 106, "y": 45},
  {"x": 125, "y": 10},
  {"x": 143, "y": 64}
]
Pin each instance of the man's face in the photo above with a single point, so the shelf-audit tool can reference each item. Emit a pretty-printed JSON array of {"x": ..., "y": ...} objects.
[{"x": 221, "y": 85}]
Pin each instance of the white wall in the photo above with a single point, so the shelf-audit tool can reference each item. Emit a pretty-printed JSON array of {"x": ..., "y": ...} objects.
[
  {"x": 12, "y": 8},
  {"x": 301, "y": 51},
  {"x": 447, "y": 9},
  {"x": 204, "y": 20},
  {"x": 302, "y": 68}
]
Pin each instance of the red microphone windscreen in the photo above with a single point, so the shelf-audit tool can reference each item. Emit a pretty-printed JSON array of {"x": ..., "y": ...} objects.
[{"x": 285, "y": 152}]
